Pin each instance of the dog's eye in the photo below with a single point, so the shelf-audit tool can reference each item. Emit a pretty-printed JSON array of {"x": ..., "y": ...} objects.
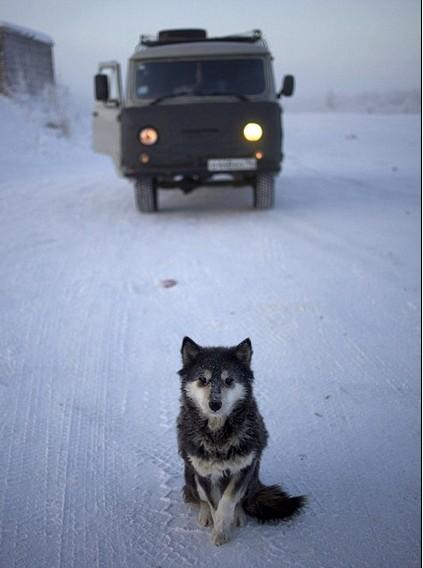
[
  {"x": 202, "y": 381},
  {"x": 229, "y": 381}
]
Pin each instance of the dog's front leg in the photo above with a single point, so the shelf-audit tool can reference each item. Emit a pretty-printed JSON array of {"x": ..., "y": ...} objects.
[
  {"x": 240, "y": 518},
  {"x": 205, "y": 516},
  {"x": 224, "y": 518},
  {"x": 229, "y": 509}
]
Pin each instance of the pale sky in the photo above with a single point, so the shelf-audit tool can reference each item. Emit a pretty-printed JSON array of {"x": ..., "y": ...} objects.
[{"x": 348, "y": 46}]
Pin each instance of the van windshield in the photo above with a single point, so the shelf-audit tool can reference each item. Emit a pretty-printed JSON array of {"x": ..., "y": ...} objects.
[{"x": 212, "y": 77}]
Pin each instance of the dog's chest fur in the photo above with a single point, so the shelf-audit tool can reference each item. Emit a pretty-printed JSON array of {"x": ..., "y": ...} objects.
[
  {"x": 217, "y": 451},
  {"x": 216, "y": 468}
]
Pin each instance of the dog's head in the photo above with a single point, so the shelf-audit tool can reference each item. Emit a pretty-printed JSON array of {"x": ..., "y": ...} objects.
[{"x": 216, "y": 379}]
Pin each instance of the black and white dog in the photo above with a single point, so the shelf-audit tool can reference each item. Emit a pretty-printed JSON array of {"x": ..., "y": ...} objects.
[{"x": 221, "y": 436}]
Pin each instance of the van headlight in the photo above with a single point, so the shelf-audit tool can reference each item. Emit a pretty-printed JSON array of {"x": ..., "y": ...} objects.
[
  {"x": 253, "y": 131},
  {"x": 148, "y": 136}
]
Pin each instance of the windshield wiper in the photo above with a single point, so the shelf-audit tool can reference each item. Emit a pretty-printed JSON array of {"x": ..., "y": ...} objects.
[
  {"x": 223, "y": 94},
  {"x": 171, "y": 96}
]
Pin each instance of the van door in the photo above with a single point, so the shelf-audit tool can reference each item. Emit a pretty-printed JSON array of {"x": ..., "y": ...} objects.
[{"x": 106, "y": 114}]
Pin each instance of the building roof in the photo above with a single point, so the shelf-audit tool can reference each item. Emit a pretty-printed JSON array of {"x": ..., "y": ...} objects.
[{"x": 31, "y": 34}]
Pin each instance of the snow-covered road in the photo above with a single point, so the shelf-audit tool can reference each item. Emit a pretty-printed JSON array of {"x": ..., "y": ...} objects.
[{"x": 327, "y": 287}]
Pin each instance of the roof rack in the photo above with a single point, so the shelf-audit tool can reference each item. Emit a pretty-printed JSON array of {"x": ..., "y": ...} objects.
[{"x": 168, "y": 38}]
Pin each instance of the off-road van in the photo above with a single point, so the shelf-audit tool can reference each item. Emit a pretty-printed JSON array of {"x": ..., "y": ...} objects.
[{"x": 197, "y": 111}]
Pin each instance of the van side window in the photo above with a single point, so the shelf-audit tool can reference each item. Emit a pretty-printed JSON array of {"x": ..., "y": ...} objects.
[{"x": 112, "y": 76}]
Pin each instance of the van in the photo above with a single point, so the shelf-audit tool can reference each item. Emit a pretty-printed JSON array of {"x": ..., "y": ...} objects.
[{"x": 197, "y": 111}]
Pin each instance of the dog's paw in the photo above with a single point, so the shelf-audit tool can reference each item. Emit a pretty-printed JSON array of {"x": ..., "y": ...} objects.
[
  {"x": 220, "y": 537},
  {"x": 205, "y": 518}
]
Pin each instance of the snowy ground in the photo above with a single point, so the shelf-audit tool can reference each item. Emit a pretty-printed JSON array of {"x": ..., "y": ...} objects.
[{"x": 327, "y": 287}]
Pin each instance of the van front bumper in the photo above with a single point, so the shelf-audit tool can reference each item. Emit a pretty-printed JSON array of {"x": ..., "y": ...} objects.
[{"x": 192, "y": 134}]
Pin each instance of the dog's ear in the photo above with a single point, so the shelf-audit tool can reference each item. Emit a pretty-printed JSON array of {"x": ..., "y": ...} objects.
[
  {"x": 244, "y": 351},
  {"x": 189, "y": 350}
]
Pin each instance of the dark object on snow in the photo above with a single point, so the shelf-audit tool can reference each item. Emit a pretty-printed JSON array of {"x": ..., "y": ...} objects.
[
  {"x": 221, "y": 437},
  {"x": 168, "y": 283},
  {"x": 26, "y": 60}
]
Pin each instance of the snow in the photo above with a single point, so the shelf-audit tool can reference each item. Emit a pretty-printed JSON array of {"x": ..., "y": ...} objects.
[
  {"x": 327, "y": 287},
  {"x": 35, "y": 35},
  {"x": 407, "y": 101}
]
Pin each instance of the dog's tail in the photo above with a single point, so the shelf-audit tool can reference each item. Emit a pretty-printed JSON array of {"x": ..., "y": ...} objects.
[{"x": 269, "y": 504}]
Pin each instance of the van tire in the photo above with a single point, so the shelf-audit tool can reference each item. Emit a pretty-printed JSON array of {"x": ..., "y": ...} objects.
[
  {"x": 146, "y": 194},
  {"x": 264, "y": 191}
]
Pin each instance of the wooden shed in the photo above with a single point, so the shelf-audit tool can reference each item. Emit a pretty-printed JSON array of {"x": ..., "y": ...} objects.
[{"x": 26, "y": 60}]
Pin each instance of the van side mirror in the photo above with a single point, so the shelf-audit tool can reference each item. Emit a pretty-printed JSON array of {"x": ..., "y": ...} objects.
[
  {"x": 101, "y": 87},
  {"x": 288, "y": 87}
]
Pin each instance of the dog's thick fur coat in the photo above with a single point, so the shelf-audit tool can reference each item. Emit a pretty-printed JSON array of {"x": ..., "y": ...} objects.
[{"x": 221, "y": 437}]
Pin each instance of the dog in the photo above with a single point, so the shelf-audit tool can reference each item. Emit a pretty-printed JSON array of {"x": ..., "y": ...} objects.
[{"x": 221, "y": 437}]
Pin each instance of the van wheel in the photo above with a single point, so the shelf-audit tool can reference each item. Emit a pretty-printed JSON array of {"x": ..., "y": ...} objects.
[
  {"x": 264, "y": 191},
  {"x": 146, "y": 194}
]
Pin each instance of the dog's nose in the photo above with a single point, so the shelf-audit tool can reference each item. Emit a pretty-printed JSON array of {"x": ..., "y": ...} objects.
[{"x": 215, "y": 405}]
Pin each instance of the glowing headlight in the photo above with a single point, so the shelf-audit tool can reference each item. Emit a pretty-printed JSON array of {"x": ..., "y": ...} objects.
[
  {"x": 148, "y": 136},
  {"x": 253, "y": 131}
]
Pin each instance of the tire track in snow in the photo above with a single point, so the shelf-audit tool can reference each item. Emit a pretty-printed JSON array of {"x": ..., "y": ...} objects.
[{"x": 175, "y": 552}]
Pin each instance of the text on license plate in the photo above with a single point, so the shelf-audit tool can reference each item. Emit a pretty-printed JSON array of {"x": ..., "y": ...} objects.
[{"x": 230, "y": 164}]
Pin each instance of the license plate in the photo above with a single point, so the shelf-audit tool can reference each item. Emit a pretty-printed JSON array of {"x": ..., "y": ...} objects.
[{"x": 231, "y": 164}]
